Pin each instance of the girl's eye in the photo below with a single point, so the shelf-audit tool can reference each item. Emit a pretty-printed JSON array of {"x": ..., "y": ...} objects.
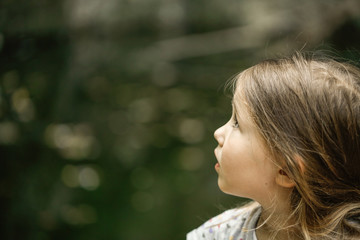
[{"x": 235, "y": 122}]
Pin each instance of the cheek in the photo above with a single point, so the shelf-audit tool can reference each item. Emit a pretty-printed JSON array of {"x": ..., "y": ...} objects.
[
  {"x": 228, "y": 156},
  {"x": 235, "y": 152},
  {"x": 232, "y": 162}
]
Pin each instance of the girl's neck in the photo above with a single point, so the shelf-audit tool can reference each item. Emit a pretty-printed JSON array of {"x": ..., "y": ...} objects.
[{"x": 277, "y": 225}]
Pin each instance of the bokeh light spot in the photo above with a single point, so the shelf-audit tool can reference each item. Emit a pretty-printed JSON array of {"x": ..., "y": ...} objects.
[
  {"x": 191, "y": 130},
  {"x": 89, "y": 178},
  {"x": 78, "y": 215},
  {"x": 61, "y": 135},
  {"x": 177, "y": 100},
  {"x": 142, "y": 110},
  {"x": 9, "y": 133},
  {"x": 74, "y": 142},
  {"x": 23, "y": 105}
]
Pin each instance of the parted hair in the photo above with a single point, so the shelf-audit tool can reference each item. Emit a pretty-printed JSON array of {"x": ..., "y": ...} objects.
[{"x": 307, "y": 110}]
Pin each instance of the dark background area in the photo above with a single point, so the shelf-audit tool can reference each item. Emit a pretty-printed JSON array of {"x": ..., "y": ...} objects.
[{"x": 107, "y": 108}]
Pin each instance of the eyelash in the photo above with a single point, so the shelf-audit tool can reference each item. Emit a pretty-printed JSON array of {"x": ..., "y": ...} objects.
[{"x": 235, "y": 123}]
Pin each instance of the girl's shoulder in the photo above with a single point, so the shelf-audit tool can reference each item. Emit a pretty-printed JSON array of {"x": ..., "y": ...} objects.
[{"x": 232, "y": 224}]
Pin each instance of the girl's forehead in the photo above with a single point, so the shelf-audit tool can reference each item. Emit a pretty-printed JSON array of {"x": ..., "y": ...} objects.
[
  {"x": 240, "y": 108},
  {"x": 239, "y": 100}
]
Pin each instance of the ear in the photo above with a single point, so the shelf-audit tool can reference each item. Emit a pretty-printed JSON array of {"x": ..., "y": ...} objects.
[{"x": 283, "y": 180}]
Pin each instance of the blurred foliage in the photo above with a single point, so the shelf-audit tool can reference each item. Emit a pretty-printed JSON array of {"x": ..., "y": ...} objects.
[{"x": 108, "y": 108}]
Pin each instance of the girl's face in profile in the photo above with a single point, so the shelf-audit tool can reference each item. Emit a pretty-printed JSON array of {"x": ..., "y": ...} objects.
[{"x": 244, "y": 167}]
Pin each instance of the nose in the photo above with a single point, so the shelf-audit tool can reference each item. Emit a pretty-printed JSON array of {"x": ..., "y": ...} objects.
[{"x": 219, "y": 135}]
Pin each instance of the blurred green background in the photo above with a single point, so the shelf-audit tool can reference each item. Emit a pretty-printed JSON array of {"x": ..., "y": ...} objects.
[{"x": 108, "y": 107}]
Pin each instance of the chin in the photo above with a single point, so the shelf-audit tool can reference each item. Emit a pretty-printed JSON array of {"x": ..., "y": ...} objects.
[{"x": 224, "y": 188}]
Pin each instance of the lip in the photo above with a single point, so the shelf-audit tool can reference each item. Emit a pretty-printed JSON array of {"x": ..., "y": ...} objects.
[{"x": 217, "y": 165}]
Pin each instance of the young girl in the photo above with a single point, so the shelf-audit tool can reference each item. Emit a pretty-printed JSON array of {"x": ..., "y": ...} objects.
[{"x": 293, "y": 146}]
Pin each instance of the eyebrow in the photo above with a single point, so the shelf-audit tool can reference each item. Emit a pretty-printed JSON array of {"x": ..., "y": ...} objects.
[
  {"x": 239, "y": 117},
  {"x": 233, "y": 106}
]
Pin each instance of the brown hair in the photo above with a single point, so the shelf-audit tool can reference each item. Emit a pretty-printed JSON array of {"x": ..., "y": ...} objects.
[{"x": 307, "y": 109}]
